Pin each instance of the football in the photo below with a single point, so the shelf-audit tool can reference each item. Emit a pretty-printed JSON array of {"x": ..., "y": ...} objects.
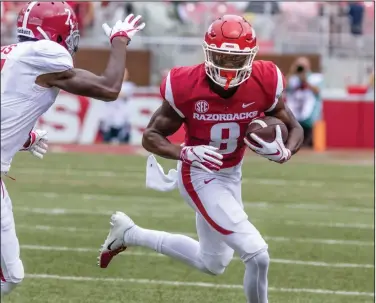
[{"x": 264, "y": 128}]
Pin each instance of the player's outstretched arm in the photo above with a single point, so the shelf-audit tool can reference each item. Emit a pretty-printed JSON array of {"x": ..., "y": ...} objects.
[
  {"x": 107, "y": 86},
  {"x": 84, "y": 83},
  {"x": 163, "y": 123},
  {"x": 296, "y": 134}
]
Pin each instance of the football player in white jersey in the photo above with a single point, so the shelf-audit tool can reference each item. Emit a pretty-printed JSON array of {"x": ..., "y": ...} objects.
[{"x": 32, "y": 73}]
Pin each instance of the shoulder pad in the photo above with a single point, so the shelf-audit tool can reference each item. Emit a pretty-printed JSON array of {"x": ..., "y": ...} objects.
[{"x": 49, "y": 57}]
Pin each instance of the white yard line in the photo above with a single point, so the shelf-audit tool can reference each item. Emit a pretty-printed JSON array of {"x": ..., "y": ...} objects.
[
  {"x": 153, "y": 254},
  {"x": 268, "y": 238},
  {"x": 331, "y": 207},
  {"x": 321, "y": 241},
  {"x": 254, "y": 204},
  {"x": 140, "y": 174},
  {"x": 331, "y": 224},
  {"x": 196, "y": 284}
]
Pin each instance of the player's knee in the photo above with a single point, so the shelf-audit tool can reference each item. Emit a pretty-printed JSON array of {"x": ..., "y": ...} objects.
[
  {"x": 16, "y": 273},
  {"x": 15, "y": 277},
  {"x": 261, "y": 258},
  {"x": 251, "y": 246},
  {"x": 216, "y": 264}
]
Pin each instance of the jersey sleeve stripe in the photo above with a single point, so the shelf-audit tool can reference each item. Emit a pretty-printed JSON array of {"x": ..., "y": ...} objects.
[
  {"x": 170, "y": 97},
  {"x": 279, "y": 89}
]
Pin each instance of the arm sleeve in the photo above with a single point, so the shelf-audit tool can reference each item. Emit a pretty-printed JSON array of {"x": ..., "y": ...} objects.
[
  {"x": 167, "y": 92},
  {"x": 49, "y": 57},
  {"x": 277, "y": 85}
]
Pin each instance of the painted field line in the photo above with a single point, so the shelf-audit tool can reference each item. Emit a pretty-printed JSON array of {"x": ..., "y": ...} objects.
[
  {"x": 141, "y": 174},
  {"x": 253, "y": 204},
  {"x": 268, "y": 238},
  {"x": 331, "y": 207},
  {"x": 197, "y": 284},
  {"x": 331, "y": 224},
  {"x": 154, "y": 254}
]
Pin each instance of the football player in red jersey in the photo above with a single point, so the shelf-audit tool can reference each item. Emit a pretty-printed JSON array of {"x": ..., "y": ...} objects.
[
  {"x": 32, "y": 72},
  {"x": 215, "y": 101}
]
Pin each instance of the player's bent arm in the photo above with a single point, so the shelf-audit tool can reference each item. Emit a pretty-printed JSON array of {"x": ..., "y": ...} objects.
[
  {"x": 163, "y": 123},
  {"x": 296, "y": 134},
  {"x": 84, "y": 83}
]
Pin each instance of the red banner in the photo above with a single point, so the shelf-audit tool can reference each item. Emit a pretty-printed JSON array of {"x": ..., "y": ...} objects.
[{"x": 76, "y": 120}]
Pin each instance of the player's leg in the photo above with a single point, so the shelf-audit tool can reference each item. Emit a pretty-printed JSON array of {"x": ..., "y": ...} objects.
[
  {"x": 219, "y": 202},
  {"x": 12, "y": 271},
  {"x": 125, "y": 233},
  {"x": 253, "y": 251},
  {"x": 214, "y": 252}
]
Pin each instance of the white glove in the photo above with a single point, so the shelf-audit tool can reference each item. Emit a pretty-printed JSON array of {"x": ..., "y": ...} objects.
[
  {"x": 127, "y": 29},
  {"x": 37, "y": 143},
  {"x": 274, "y": 151},
  {"x": 202, "y": 156}
]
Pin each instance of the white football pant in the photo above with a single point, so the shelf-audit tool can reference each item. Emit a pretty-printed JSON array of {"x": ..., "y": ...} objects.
[{"x": 12, "y": 271}]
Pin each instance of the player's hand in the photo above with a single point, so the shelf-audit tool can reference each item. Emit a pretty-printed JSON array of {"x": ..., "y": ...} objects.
[
  {"x": 127, "y": 28},
  {"x": 203, "y": 156},
  {"x": 37, "y": 143},
  {"x": 274, "y": 151}
]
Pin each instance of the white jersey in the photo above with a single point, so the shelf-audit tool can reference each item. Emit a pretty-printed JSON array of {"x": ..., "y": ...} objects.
[{"x": 23, "y": 101}]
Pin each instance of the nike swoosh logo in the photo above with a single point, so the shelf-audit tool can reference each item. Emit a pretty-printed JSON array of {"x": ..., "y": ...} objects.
[
  {"x": 246, "y": 105},
  {"x": 109, "y": 245},
  {"x": 208, "y": 181}
]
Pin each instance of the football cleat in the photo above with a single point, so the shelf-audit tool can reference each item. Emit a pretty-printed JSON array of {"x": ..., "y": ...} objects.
[{"x": 114, "y": 243}]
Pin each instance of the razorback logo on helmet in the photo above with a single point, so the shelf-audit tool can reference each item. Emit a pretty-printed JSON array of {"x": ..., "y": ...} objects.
[
  {"x": 230, "y": 47},
  {"x": 55, "y": 21}
]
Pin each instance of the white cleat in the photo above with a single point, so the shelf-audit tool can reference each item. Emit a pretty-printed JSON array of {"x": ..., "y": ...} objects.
[{"x": 114, "y": 243}]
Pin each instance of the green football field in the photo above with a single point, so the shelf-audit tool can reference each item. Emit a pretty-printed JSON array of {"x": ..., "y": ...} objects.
[{"x": 316, "y": 213}]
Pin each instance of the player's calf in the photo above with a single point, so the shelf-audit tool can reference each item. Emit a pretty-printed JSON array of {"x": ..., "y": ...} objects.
[
  {"x": 253, "y": 251},
  {"x": 256, "y": 278}
]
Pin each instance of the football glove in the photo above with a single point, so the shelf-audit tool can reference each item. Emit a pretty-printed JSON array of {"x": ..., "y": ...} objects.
[
  {"x": 274, "y": 151},
  {"x": 203, "y": 156},
  {"x": 37, "y": 143},
  {"x": 127, "y": 28}
]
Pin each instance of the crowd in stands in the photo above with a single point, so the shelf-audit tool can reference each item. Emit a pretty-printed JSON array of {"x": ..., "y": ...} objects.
[{"x": 358, "y": 13}]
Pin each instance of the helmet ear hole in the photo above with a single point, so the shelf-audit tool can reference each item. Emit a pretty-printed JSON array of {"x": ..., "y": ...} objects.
[{"x": 59, "y": 39}]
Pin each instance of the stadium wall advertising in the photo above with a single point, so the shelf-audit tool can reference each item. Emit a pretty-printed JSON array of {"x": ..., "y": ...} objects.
[{"x": 76, "y": 120}]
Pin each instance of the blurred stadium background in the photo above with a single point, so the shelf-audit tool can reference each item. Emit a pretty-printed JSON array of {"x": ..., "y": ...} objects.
[{"x": 317, "y": 212}]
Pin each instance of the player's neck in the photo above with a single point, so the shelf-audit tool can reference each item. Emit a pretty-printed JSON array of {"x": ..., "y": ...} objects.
[{"x": 220, "y": 91}]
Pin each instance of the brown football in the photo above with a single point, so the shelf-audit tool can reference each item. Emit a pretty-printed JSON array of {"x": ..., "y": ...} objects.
[{"x": 264, "y": 127}]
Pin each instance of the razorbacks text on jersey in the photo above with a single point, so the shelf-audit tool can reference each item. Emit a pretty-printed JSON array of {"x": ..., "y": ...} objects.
[
  {"x": 212, "y": 120},
  {"x": 22, "y": 100}
]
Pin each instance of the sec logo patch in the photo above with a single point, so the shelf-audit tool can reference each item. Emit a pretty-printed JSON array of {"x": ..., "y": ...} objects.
[{"x": 202, "y": 106}]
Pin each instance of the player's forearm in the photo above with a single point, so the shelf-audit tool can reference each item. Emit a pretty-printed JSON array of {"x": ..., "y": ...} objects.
[
  {"x": 113, "y": 75},
  {"x": 157, "y": 144},
  {"x": 295, "y": 139}
]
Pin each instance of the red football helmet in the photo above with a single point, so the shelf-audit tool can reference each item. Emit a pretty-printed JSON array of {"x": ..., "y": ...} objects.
[
  {"x": 230, "y": 47},
  {"x": 55, "y": 21}
]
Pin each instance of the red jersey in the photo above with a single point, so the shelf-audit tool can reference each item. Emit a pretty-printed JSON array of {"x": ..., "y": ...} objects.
[{"x": 212, "y": 120}]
